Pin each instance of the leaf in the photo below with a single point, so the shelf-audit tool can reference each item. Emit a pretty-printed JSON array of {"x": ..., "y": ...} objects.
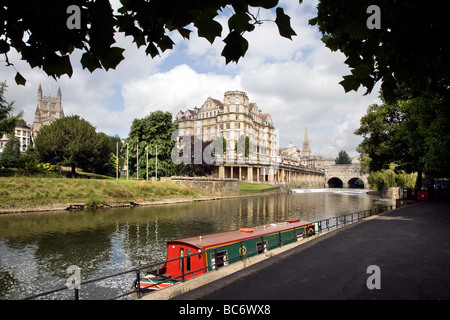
[
  {"x": 152, "y": 50},
  {"x": 266, "y": 4},
  {"x": 349, "y": 83},
  {"x": 185, "y": 33},
  {"x": 283, "y": 22},
  {"x": 362, "y": 71},
  {"x": 235, "y": 48},
  {"x": 112, "y": 58},
  {"x": 238, "y": 22},
  {"x": 208, "y": 28},
  {"x": 19, "y": 79},
  {"x": 89, "y": 62}
]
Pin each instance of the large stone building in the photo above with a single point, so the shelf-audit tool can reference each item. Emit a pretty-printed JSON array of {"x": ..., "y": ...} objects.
[
  {"x": 258, "y": 159},
  {"x": 48, "y": 109},
  {"x": 232, "y": 119},
  {"x": 23, "y": 133}
]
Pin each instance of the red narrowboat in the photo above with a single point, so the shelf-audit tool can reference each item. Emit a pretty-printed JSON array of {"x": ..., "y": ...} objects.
[{"x": 193, "y": 256}]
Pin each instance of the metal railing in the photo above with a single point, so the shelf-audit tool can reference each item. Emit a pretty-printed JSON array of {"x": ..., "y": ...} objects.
[{"x": 321, "y": 226}]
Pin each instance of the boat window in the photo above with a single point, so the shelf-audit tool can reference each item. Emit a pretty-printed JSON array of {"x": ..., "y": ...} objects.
[
  {"x": 261, "y": 246},
  {"x": 300, "y": 233},
  {"x": 181, "y": 260},
  {"x": 188, "y": 260},
  {"x": 219, "y": 259}
]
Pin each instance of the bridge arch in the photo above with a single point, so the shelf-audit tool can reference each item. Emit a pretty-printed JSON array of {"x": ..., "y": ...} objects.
[
  {"x": 335, "y": 182},
  {"x": 355, "y": 183}
]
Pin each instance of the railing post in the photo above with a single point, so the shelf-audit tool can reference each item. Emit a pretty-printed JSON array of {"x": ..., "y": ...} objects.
[
  {"x": 279, "y": 239},
  {"x": 182, "y": 268},
  {"x": 138, "y": 283},
  {"x": 77, "y": 294},
  {"x": 215, "y": 259}
]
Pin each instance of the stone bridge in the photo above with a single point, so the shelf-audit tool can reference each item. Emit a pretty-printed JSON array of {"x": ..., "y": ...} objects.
[{"x": 345, "y": 176}]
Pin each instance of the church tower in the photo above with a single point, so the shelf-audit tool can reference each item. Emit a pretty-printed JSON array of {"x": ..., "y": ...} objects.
[
  {"x": 48, "y": 109},
  {"x": 306, "y": 151}
]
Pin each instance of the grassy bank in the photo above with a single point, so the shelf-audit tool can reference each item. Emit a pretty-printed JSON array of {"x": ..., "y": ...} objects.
[
  {"x": 32, "y": 191},
  {"x": 254, "y": 186}
]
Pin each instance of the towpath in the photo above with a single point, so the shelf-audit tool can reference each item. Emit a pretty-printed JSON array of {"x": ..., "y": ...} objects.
[{"x": 402, "y": 254}]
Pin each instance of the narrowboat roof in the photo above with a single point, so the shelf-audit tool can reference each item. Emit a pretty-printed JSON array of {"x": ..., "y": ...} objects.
[{"x": 216, "y": 239}]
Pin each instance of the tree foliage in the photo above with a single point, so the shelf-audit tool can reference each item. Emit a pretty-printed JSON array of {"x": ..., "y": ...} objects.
[
  {"x": 343, "y": 158},
  {"x": 414, "y": 134},
  {"x": 409, "y": 50},
  {"x": 49, "y": 41},
  {"x": 153, "y": 130},
  {"x": 10, "y": 156},
  {"x": 390, "y": 177},
  {"x": 73, "y": 141},
  {"x": 7, "y": 121},
  {"x": 197, "y": 166}
]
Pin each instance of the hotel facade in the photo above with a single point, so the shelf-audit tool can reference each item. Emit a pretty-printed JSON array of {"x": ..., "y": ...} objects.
[
  {"x": 234, "y": 119},
  {"x": 251, "y": 151}
]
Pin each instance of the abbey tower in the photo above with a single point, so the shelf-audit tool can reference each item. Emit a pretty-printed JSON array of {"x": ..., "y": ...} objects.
[{"x": 48, "y": 109}]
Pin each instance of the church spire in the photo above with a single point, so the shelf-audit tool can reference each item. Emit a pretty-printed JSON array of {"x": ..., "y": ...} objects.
[{"x": 306, "y": 151}]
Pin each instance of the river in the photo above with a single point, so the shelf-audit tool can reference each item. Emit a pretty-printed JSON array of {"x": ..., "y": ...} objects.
[{"x": 37, "y": 248}]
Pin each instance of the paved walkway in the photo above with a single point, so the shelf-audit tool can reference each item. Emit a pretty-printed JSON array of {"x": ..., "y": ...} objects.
[{"x": 410, "y": 245}]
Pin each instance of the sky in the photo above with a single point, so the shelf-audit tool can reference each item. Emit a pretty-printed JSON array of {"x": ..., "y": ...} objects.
[{"x": 296, "y": 81}]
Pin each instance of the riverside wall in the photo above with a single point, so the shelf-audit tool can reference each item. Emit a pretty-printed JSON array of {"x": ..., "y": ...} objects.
[{"x": 215, "y": 186}]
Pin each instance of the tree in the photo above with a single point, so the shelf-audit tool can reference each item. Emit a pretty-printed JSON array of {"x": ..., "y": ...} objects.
[
  {"x": 242, "y": 146},
  {"x": 55, "y": 28},
  {"x": 7, "y": 122},
  {"x": 197, "y": 166},
  {"x": 72, "y": 141},
  {"x": 154, "y": 131},
  {"x": 10, "y": 156},
  {"x": 403, "y": 50},
  {"x": 343, "y": 158},
  {"x": 414, "y": 134}
]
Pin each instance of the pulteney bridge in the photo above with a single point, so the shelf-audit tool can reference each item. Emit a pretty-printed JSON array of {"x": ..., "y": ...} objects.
[{"x": 345, "y": 176}]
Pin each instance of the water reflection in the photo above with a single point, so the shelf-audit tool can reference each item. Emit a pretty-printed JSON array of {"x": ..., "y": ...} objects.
[{"x": 36, "y": 249}]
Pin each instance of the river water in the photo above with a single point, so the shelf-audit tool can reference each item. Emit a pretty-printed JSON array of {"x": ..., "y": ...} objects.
[{"x": 37, "y": 248}]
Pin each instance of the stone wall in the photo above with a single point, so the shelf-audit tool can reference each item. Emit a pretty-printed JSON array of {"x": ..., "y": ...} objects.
[
  {"x": 210, "y": 186},
  {"x": 392, "y": 193}
]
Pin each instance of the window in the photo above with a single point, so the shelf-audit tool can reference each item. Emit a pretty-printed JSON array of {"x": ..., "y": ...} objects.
[
  {"x": 236, "y": 101},
  {"x": 228, "y": 125},
  {"x": 261, "y": 247},
  {"x": 188, "y": 260},
  {"x": 237, "y": 125},
  {"x": 219, "y": 259},
  {"x": 181, "y": 255},
  {"x": 300, "y": 234}
]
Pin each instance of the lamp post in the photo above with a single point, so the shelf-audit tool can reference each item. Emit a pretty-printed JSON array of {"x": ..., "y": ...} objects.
[
  {"x": 117, "y": 160},
  {"x": 127, "y": 161},
  {"x": 137, "y": 161}
]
